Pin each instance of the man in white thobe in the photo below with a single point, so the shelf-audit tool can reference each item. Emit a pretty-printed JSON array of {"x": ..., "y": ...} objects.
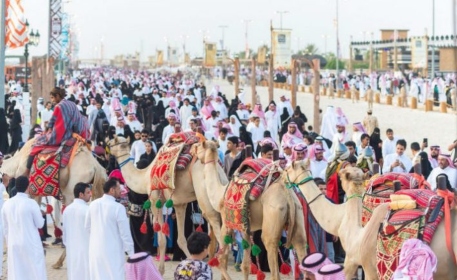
[
  {"x": 110, "y": 236},
  {"x": 46, "y": 115},
  {"x": 185, "y": 113},
  {"x": 445, "y": 166},
  {"x": 389, "y": 144},
  {"x": 398, "y": 161},
  {"x": 284, "y": 103},
  {"x": 273, "y": 119},
  {"x": 318, "y": 164},
  {"x": 169, "y": 129},
  {"x": 75, "y": 235},
  {"x": 22, "y": 218}
]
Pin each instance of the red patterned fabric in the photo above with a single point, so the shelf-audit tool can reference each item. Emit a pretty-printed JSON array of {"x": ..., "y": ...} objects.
[
  {"x": 256, "y": 171},
  {"x": 188, "y": 138},
  {"x": 44, "y": 176},
  {"x": 332, "y": 188},
  {"x": 235, "y": 205},
  {"x": 370, "y": 202},
  {"x": 163, "y": 167},
  {"x": 426, "y": 198},
  {"x": 65, "y": 149}
]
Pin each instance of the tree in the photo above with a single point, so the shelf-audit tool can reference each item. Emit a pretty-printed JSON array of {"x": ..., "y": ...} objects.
[
  {"x": 310, "y": 49},
  {"x": 331, "y": 64}
]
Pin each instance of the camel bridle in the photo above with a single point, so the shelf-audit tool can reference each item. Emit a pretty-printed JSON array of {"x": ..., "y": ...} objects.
[{"x": 291, "y": 184}]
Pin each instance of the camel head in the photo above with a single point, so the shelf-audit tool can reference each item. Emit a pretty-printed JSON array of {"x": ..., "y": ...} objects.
[
  {"x": 210, "y": 151},
  {"x": 199, "y": 151},
  {"x": 119, "y": 146},
  {"x": 297, "y": 173},
  {"x": 352, "y": 180}
]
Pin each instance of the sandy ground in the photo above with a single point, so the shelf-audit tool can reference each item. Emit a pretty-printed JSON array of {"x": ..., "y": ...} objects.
[{"x": 413, "y": 125}]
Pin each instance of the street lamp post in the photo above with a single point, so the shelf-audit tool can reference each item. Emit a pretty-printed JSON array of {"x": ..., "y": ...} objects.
[
  {"x": 433, "y": 34},
  {"x": 337, "y": 47},
  {"x": 246, "y": 22},
  {"x": 223, "y": 27},
  {"x": 34, "y": 40},
  {"x": 280, "y": 17},
  {"x": 325, "y": 42}
]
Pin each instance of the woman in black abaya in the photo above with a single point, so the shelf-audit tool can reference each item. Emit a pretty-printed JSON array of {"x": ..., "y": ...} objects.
[
  {"x": 15, "y": 131},
  {"x": 4, "y": 143}
]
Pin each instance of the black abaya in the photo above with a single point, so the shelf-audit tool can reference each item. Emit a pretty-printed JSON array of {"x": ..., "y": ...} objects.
[
  {"x": 142, "y": 242},
  {"x": 4, "y": 144}
]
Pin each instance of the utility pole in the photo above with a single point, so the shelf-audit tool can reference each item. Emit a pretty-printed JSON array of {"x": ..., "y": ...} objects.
[
  {"x": 271, "y": 66},
  {"x": 281, "y": 13},
  {"x": 223, "y": 27},
  {"x": 432, "y": 73},
  {"x": 253, "y": 82},
  {"x": 337, "y": 49},
  {"x": 2, "y": 54},
  {"x": 246, "y": 23}
]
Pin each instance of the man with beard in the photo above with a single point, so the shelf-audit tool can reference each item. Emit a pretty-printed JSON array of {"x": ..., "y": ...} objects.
[
  {"x": 445, "y": 166},
  {"x": 434, "y": 153}
]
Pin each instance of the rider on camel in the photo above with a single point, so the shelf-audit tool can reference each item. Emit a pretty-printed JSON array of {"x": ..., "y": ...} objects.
[
  {"x": 334, "y": 190},
  {"x": 66, "y": 120}
]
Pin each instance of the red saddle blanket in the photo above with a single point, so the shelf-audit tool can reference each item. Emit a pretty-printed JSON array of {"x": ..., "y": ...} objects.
[
  {"x": 64, "y": 149},
  {"x": 175, "y": 155},
  {"x": 256, "y": 171},
  {"x": 44, "y": 176},
  {"x": 379, "y": 188},
  {"x": 402, "y": 225}
]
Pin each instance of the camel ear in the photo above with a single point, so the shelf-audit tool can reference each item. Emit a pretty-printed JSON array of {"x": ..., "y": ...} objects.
[
  {"x": 204, "y": 144},
  {"x": 128, "y": 139},
  {"x": 344, "y": 174},
  {"x": 115, "y": 139}
]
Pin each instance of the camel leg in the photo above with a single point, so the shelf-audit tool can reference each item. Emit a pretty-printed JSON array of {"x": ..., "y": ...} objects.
[
  {"x": 162, "y": 241},
  {"x": 180, "y": 211},
  {"x": 350, "y": 268},
  {"x": 246, "y": 264},
  {"x": 271, "y": 234},
  {"x": 299, "y": 241},
  {"x": 59, "y": 262},
  {"x": 212, "y": 248},
  {"x": 223, "y": 257}
]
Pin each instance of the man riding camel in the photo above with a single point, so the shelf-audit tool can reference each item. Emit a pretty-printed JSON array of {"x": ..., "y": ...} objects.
[{"x": 66, "y": 120}]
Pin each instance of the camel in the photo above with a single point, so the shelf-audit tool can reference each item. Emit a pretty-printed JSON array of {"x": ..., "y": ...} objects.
[
  {"x": 277, "y": 204},
  {"x": 365, "y": 238},
  {"x": 139, "y": 181},
  {"x": 84, "y": 168},
  {"x": 336, "y": 219}
]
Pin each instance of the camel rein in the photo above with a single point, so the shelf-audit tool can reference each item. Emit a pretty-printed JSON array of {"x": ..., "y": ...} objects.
[{"x": 291, "y": 184}]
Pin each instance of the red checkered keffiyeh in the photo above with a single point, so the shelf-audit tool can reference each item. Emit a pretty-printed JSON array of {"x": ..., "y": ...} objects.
[{"x": 140, "y": 266}]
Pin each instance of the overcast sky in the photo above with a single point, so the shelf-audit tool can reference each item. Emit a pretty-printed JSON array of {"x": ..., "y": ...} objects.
[{"x": 126, "y": 26}]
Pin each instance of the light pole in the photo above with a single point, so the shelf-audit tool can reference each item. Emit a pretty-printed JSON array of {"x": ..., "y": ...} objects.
[
  {"x": 223, "y": 27},
  {"x": 246, "y": 23},
  {"x": 33, "y": 40},
  {"x": 433, "y": 34},
  {"x": 337, "y": 47},
  {"x": 280, "y": 17},
  {"x": 325, "y": 36}
]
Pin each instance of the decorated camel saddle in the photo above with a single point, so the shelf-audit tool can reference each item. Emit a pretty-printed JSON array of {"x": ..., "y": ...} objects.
[
  {"x": 413, "y": 213},
  {"x": 47, "y": 163},
  {"x": 248, "y": 183},
  {"x": 380, "y": 187},
  {"x": 174, "y": 155}
]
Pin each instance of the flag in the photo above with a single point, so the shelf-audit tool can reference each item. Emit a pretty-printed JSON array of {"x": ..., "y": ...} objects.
[
  {"x": 210, "y": 55},
  {"x": 16, "y": 30}
]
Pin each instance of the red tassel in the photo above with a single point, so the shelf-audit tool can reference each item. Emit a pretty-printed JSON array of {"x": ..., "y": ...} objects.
[
  {"x": 213, "y": 262},
  {"x": 144, "y": 228},
  {"x": 49, "y": 209},
  {"x": 40, "y": 231},
  {"x": 260, "y": 275},
  {"x": 156, "y": 227},
  {"x": 253, "y": 269},
  {"x": 199, "y": 228},
  {"x": 285, "y": 269},
  {"x": 297, "y": 270},
  {"x": 166, "y": 229},
  {"x": 57, "y": 232}
]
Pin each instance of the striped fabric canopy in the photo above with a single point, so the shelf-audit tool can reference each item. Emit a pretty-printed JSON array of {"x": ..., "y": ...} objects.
[{"x": 16, "y": 30}]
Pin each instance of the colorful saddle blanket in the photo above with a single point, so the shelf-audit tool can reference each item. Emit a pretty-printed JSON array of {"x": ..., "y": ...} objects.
[
  {"x": 250, "y": 178},
  {"x": 257, "y": 171},
  {"x": 400, "y": 225},
  {"x": 44, "y": 176},
  {"x": 380, "y": 187},
  {"x": 175, "y": 155}
]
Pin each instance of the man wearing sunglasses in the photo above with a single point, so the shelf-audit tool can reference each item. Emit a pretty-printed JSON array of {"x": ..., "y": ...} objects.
[{"x": 139, "y": 148}]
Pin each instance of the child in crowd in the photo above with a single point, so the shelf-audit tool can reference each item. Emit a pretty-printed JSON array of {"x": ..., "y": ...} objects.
[{"x": 194, "y": 268}]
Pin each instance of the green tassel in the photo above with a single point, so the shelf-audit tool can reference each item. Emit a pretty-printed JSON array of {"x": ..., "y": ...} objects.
[
  {"x": 147, "y": 205},
  {"x": 159, "y": 204},
  {"x": 245, "y": 244},
  {"x": 291, "y": 247},
  {"x": 255, "y": 250},
  {"x": 228, "y": 239},
  {"x": 279, "y": 243},
  {"x": 169, "y": 203}
]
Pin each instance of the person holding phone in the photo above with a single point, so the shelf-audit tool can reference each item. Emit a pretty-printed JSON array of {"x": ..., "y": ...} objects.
[{"x": 398, "y": 161}]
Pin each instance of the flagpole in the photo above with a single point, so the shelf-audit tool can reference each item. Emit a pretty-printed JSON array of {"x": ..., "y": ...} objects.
[{"x": 2, "y": 53}]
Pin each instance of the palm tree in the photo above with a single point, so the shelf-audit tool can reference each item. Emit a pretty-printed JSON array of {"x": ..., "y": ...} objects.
[{"x": 310, "y": 49}]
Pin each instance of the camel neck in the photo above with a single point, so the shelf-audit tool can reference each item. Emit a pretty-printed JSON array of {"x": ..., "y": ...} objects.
[
  {"x": 328, "y": 215},
  {"x": 132, "y": 176}
]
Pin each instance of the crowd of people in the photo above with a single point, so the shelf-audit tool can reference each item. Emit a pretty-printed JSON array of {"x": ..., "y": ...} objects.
[{"x": 146, "y": 108}]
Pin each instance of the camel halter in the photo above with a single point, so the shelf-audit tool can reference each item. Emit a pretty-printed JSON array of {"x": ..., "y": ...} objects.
[
  {"x": 291, "y": 184},
  {"x": 125, "y": 161}
]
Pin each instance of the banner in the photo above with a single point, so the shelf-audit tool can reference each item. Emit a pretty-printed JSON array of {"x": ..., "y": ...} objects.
[
  {"x": 65, "y": 38},
  {"x": 16, "y": 32},
  {"x": 186, "y": 58},
  {"x": 210, "y": 54},
  {"x": 159, "y": 58},
  {"x": 282, "y": 53},
  {"x": 261, "y": 55},
  {"x": 174, "y": 56},
  {"x": 419, "y": 53}
]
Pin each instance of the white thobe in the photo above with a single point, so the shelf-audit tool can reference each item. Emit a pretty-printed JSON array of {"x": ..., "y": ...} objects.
[
  {"x": 220, "y": 107},
  {"x": 285, "y": 104},
  {"x": 135, "y": 125},
  {"x": 273, "y": 120},
  {"x": 185, "y": 112},
  {"x": 138, "y": 148},
  {"x": 433, "y": 162},
  {"x": 356, "y": 138},
  {"x": 338, "y": 137},
  {"x": 21, "y": 218},
  {"x": 390, "y": 159},
  {"x": 222, "y": 145},
  {"x": 45, "y": 117},
  {"x": 167, "y": 131},
  {"x": 110, "y": 238},
  {"x": 389, "y": 146},
  {"x": 449, "y": 171},
  {"x": 317, "y": 167},
  {"x": 76, "y": 240},
  {"x": 256, "y": 134},
  {"x": 90, "y": 108}
]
